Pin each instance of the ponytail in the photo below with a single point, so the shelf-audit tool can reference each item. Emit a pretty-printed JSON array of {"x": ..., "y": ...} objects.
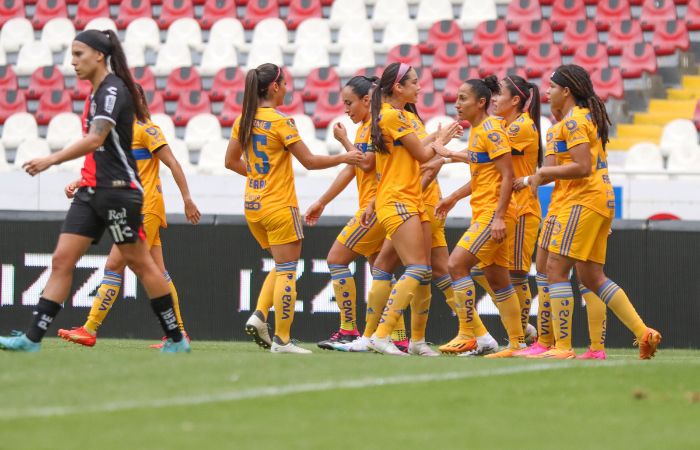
[
  {"x": 143, "y": 99},
  {"x": 485, "y": 88},
  {"x": 384, "y": 89},
  {"x": 120, "y": 68},
  {"x": 257, "y": 83},
  {"x": 535, "y": 112}
]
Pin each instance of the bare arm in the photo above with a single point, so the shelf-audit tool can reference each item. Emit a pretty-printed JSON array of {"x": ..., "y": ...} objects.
[
  {"x": 504, "y": 165},
  {"x": 443, "y": 135},
  {"x": 518, "y": 183},
  {"x": 313, "y": 213},
  {"x": 416, "y": 148},
  {"x": 446, "y": 204},
  {"x": 319, "y": 162},
  {"x": 166, "y": 156},
  {"x": 233, "y": 160},
  {"x": 579, "y": 167},
  {"x": 341, "y": 135}
]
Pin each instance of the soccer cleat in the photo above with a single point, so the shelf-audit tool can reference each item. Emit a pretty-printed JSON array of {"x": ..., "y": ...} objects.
[
  {"x": 170, "y": 346},
  {"x": 459, "y": 344},
  {"x": 530, "y": 334},
  {"x": 19, "y": 342},
  {"x": 555, "y": 353},
  {"x": 420, "y": 348},
  {"x": 402, "y": 345},
  {"x": 384, "y": 346},
  {"x": 647, "y": 346},
  {"x": 340, "y": 337},
  {"x": 165, "y": 338},
  {"x": 482, "y": 350},
  {"x": 78, "y": 335},
  {"x": 593, "y": 354},
  {"x": 534, "y": 349},
  {"x": 358, "y": 345},
  {"x": 257, "y": 329},
  {"x": 289, "y": 347},
  {"x": 505, "y": 353}
]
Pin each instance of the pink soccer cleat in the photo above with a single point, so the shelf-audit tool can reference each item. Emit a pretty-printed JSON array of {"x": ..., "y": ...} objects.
[
  {"x": 534, "y": 349},
  {"x": 593, "y": 354}
]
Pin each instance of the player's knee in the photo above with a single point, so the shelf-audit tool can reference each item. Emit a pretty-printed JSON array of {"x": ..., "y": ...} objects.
[
  {"x": 593, "y": 280},
  {"x": 556, "y": 272},
  {"x": 457, "y": 268},
  {"x": 62, "y": 262}
]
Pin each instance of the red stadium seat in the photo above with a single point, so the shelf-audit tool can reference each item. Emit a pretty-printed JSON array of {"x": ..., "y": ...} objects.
[
  {"x": 257, "y": 10},
  {"x": 592, "y": 57},
  {"x": 425, "y": 79},
  {"x": 321, "y": 81},
  {"x": 51, "y": 104},
  {"x": 522, "y": 11},
  {"x": 623, "y": 35},
  {"x": 430, "y": 105},
  {"x": 455, "y": 79},
  {"x": 189, "y": 105},
  {"x": 289, "y": 78},
  {"x": 440, "y": 33},
  {"x": 300, "y": 10},
  {"x": 496, "y": 58},
  {"x": 227, "y": 80},
  {"x": 405, "y": 53},
  {"x": 542, "y": 59},
  {"x": 369, "y": 72},
  {"x": 611, "y": 11},
  {"x": 671, "y": 36},
  {"x": 545, "y": 83},
  {"x": 577, "y": 36},
  {"x": 47, "y": 10},
  {"x": 45, "y": 79},
  {"x": 566, "y": 12},
  {"x": 488, "y": 33},
  {"x": 145, "y": 77},
  {"x": 233, "y": 105},
  {"x": 531, "y": 35},
  {"x": 328, "y": 107},
  {"x": 182, "y": 80},
  {"x": 81, "y": 90},
  {"x": 638, "y": 59},
  {"x": 88, "y": 10},
  {"x": 692, "y": 16},
  {"x": 293, "y": 104},
  {"x": 156, "y": 105},
  {"x": 130, "y": 10},
  {"x": 173, "y": 10},
  {"x": 656, "y": 12},
  {"x": 449, "y": 57},
  {"x": 11, "y": 102},
  {"x": 608, "y": 83},
  {"x": 215, "y": 10},
  {"x": 8, "y": 78},
  {"x": 11, "y": 9}
]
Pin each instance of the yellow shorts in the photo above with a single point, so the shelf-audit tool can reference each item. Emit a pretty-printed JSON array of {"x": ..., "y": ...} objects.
[
  {"x": 580, "y": 233},
  {"x": 526, "y": 228},
  {"x": 547, "y": 229},
  {"x": 277, "y": 228},
  {"x": 477, "y": 241},
  {"x": 151, "y": 226},
  {"x": 393, "y": 215},
  {"x": 437, "y": 228},
  {"x": 363, "y": 240}
]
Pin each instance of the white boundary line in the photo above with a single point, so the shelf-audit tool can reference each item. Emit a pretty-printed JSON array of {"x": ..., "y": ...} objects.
[{"x": 279, "y": 391}]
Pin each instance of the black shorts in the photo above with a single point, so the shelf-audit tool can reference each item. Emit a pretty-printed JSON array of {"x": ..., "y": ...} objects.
[{"x": 117, "y": 210}]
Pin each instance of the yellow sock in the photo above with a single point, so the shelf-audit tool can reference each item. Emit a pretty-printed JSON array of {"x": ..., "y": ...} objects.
[
  {"x": 506, "y": 301},
  {"x": 562, "y": 298},
  {"x": 378, "y": 294},
  {"x": 597, "y": 315},
  {"x": 522, "y": 289},
  {"x": 107, "y": 294},
  {"x": 176, "y": 302},
  {"x": 420, "y": 309},
  {"x": 544, "y": 314},
  {"x": 444, "y": 283},
  {"x": 285, "y": 298},
  {"x": 267, "y": 294},
  {"x": 399, "y": 332},
  {"x": 465, "y": 299},
  {"x": 612, "y": 295},
  {"x": 345, "y": 295},
  {"x": 479, "y": 278},
  {"x": 401, "y": 296}
]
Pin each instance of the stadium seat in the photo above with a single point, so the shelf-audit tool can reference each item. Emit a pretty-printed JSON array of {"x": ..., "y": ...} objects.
[
  {"x": 685, "y": 159},
  {"x": 447, "y": 58},
  {"x": 8, "y": 78},
  {"x": 522, "y": 11},
  {"x": 305, "y": 125},
  {"x": 656, "y": 12},
  {"x": 398, "y": 32},
  {"x": 212, "y": 157},
  {"x": 343, "y": 11},
  {"x": 671, "y": 36},
  {"x": 52, "y": 103},
  {"x": 495, "y": 58},
  {"x": 44, "y": 79},
  {"x": 386, "y": 11},
  {"x": 182, "y": 80},
  {"x": 592, "y": 57},
  {"x": 331, "y": 144},
  {"x": 487, "y": 34},
  {"x": 430, "y": 105},
  {"x": 370, "y": 71},
  {"x": 88, "y": 10},
  {"x": 623, "y": 35},
  {"x": 16, "y": 33},
  {"x": 17, "y": 128},
  {"x": 405, "y": 53},
  {"x": 189, "y": 105},
  {"x": 101, "y": 23},
  {"x": 4, "y": 165},
  {"x": 156, "y": 104},
  {"x": 320, "y": 81},
  {"x": 293, "y": 104},
  {"x": 608, "y": 83},
  {"x": 130, "y": 10},
  {"x": 566, "y": 12},
  {"x": 638, "y": 59},
  {"x": 532, "y": 35},
  {"x": 170, "y": 57},
  {"x": 270, "y": 31},
  {"x": 81, "y": 90},
  {"x": 174, "y": 10},
  {"x": 145, "y": 77},
  {"x": 328, "y": 107},
  {"x": 180, "y": 152},
  {"x": 201, "y": 129},
  {"x": 354, "y": 58},
  {"x": 676, "y": 135},
  {"x": 135, "y": 55},
  {"x": 577, "y": 36},
  {"x": 10, "y": 10},
  {"x": 185, "y": 31},
  {"x": 166, "y": 125},
  {"x": 229, "y": 79},
  {"x": 64, "y": 129},
  {"x": 58, "y": 34},
  {"x": 301, "y": 10},
  {"x": 610, "y": 11},
  {"x": 544, "y": 85},
  {"x": 431, "y": 11},
  {"x": 46, "y": 10},
  {"x": 258, "y": 10},
  {"x": 644, "y": 157},
  {"x": 233, "y": 105},
  {"x": 455, "y": 79},
  {"x": 541, "y": 60},
  {"x": 264, "y": 53},
  {"x": 32, "y": 56},
  {"x": 692, "y": 16},
  {"x": 143, "y": 31},
  {"x": 425, "y": 79},
  {"x": 475, "y": 12},
  {"x": 29, "y": 149},
  {"x": 355, "y": 32},
  {"x": 309, "y": 57},
  {"x": 216, "y": 10},
  {"x": 227, "y": 31},
  {"x": 313, "y": 31},
  {"x": 442, "y": 32},
  {"x": 217, "y": 57}
]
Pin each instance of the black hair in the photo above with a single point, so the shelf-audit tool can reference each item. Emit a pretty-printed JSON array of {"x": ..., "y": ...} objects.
[
  {"x": 120, "y": 68},
  {"x": 257, "y": 84},
  {"x": 142, "y": 97},
  {"x": 517, "y": 86},
  {"x": 362, "y": 85},
  {"x": 485, "y": 88}
]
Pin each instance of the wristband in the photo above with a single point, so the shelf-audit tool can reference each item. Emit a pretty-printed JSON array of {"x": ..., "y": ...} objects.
[
  {"x": 526, "y": 181},
  {"x": 446, "y": 160}
]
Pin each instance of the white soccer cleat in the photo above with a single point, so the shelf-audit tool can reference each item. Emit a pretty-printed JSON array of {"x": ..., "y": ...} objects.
[
  {"x": 256, "y": 328},
  {"x": 491, "y": 346},
  {"x": 420, "y": 348},
  {"x": 385, "y": 346},
  {"x": 289, "y": 347},
  {"x": 360, "y": 344},
  {"x": 530, "y": 334}
]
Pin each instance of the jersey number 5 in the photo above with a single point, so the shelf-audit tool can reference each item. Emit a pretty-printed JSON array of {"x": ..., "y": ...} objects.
[{"x": 260, "y": 140}]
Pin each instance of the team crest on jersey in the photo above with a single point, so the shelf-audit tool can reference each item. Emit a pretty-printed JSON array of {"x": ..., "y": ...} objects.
[
  {"x": 550, "y": 136},
  {"x": 571, "y": 125},
  {"x": 494, "y": 137},
  {"x": 513, "y": 130},
  {"x": 556, "y": 227},
  {"x": 290, "y": 123}
]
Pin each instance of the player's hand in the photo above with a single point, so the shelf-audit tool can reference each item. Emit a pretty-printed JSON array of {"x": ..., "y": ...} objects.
[
  {"x": 498, "y": 229},
  {"x": 441, "y": 150},
  {"x": 446, "y": 134},
  {"x": 38, "y": 165},
  {"x": 314, "y": 212},
  {"x": 518, "y": 184},
  {"x": 444, "y": 206},
  {"x": 354, "y": 157},
  {"x": 432, "y": 166},
  {"x": 71, "y": 187},
  {"x": 366, "y": 216},
  {"x": 192, "y": 212},
  {"x": 340, "y": 133},
  {"x": 534, "y": 182}
]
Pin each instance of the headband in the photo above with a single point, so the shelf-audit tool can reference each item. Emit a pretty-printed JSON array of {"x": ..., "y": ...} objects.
[
  {"x": 560, "y": 79},
  {"x": 279, "y": 72},
  {"x": 403, "y": 70},
  {"x": 97, "y": 40},
  {"x": 526, "y": 97}
]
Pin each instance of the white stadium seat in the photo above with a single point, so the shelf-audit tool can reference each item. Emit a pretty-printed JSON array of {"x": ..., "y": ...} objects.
[
  {"x": 644, "y": 157},
  {"x": 3, "y": 57},
  {"x": 355, "y": 57},
  {"x": 431, "y": 11},
  {"x": 264, "y": 53},
  {"x": 398, "y": 32},
  {"x": 135, "y": 56},
  {"x": 101, "y": 24},
  {"x": 227, "y": 31},
  {"x": 29, "y": 149},
  {"x": 145, "y": 32},
  {"x": 678, "y": 134},
  {"x": 201, "y": 129},
  {"x": 32, "y": 56},
  {"x": 354, "y": 32},
  {"x": 347, "y": 10},
  {"x": 476, "y": 11},
  {"x": 305, "y": 125},
  {"x": 58, "y": 34},
  {"x": 179, "y": 150},
  {"x": 313, "y": 31},
  {"x": 386, "y": 11},
  {"x": 19, "y": 127},
  {"x": 332, "y": 144},
  {"x": 212, "y": 156},
  {"x": 166, "y": 125},
  {"x": 66, "y": 67},
  {"x": 185, "y": 31},
  {"x": 16, "y": 33},
  {"x": 63, "y": 129},
  {"x": 4, "y": 165},
  {"x": 270, "y": 31},
  {"x": 217, "y": 57},
  {"x": 685, "y": 159},
  {"x": 171, "y": 57},
  {"x": 309, "y": 57}
]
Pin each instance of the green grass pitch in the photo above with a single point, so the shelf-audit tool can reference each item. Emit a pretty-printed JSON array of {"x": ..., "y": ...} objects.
[{"x": 122, "y": 395}]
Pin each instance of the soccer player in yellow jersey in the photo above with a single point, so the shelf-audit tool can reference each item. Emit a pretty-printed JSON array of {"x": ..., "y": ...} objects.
[
  {"x": 149, "y": 149},
  {"x": 585, "y": 213},
  {"x": 262, "y": 143}
]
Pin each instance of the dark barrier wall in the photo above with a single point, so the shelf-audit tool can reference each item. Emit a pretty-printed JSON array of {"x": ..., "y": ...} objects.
[{"x": 218, "y": 269}]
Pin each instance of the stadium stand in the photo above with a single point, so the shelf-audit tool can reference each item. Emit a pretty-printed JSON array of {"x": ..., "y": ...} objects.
[{"x": 89, "y": 10}]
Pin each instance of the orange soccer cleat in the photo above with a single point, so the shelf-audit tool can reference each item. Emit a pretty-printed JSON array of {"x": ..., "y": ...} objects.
[{"x": 78, "y": 335}]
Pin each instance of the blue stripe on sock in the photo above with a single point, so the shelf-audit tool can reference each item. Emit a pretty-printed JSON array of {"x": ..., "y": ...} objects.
[
  {"x": 463, "y": 284},
  {"x": 113, "y": 274},
  {"x": 608, "y": 291},
  {"x": 286, "y": 267},
  {"x": 379, "y": 274}
]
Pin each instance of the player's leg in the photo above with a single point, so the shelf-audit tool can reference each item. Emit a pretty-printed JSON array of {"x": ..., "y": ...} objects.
[
  {"x": 506, "y": 300},
  {"x": 596, "y": 313}
]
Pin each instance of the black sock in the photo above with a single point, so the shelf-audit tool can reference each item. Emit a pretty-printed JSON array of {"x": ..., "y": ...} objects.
[
  {"x": 163, "y": 307},
  {"x": 44, "y": 313}
]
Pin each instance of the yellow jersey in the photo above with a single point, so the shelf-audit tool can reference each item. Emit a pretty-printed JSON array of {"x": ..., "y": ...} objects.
[
  {"x": 147, "y": 140},
  {"x": 366, "y": 182},
  {"x": 554, "y": 136},
  {"x": 595, "y": 191},
  {"x": 398, "y": 173},
  {"x": 270, "y": 182},
  {"x": 487, "y": 141},
  {"x": 524, "y": 144},
  {"x": 431, "y": 194}
]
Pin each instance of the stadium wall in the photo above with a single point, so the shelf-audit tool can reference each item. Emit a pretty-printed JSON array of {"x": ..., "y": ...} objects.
[{"x": 218, "y": 269}]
